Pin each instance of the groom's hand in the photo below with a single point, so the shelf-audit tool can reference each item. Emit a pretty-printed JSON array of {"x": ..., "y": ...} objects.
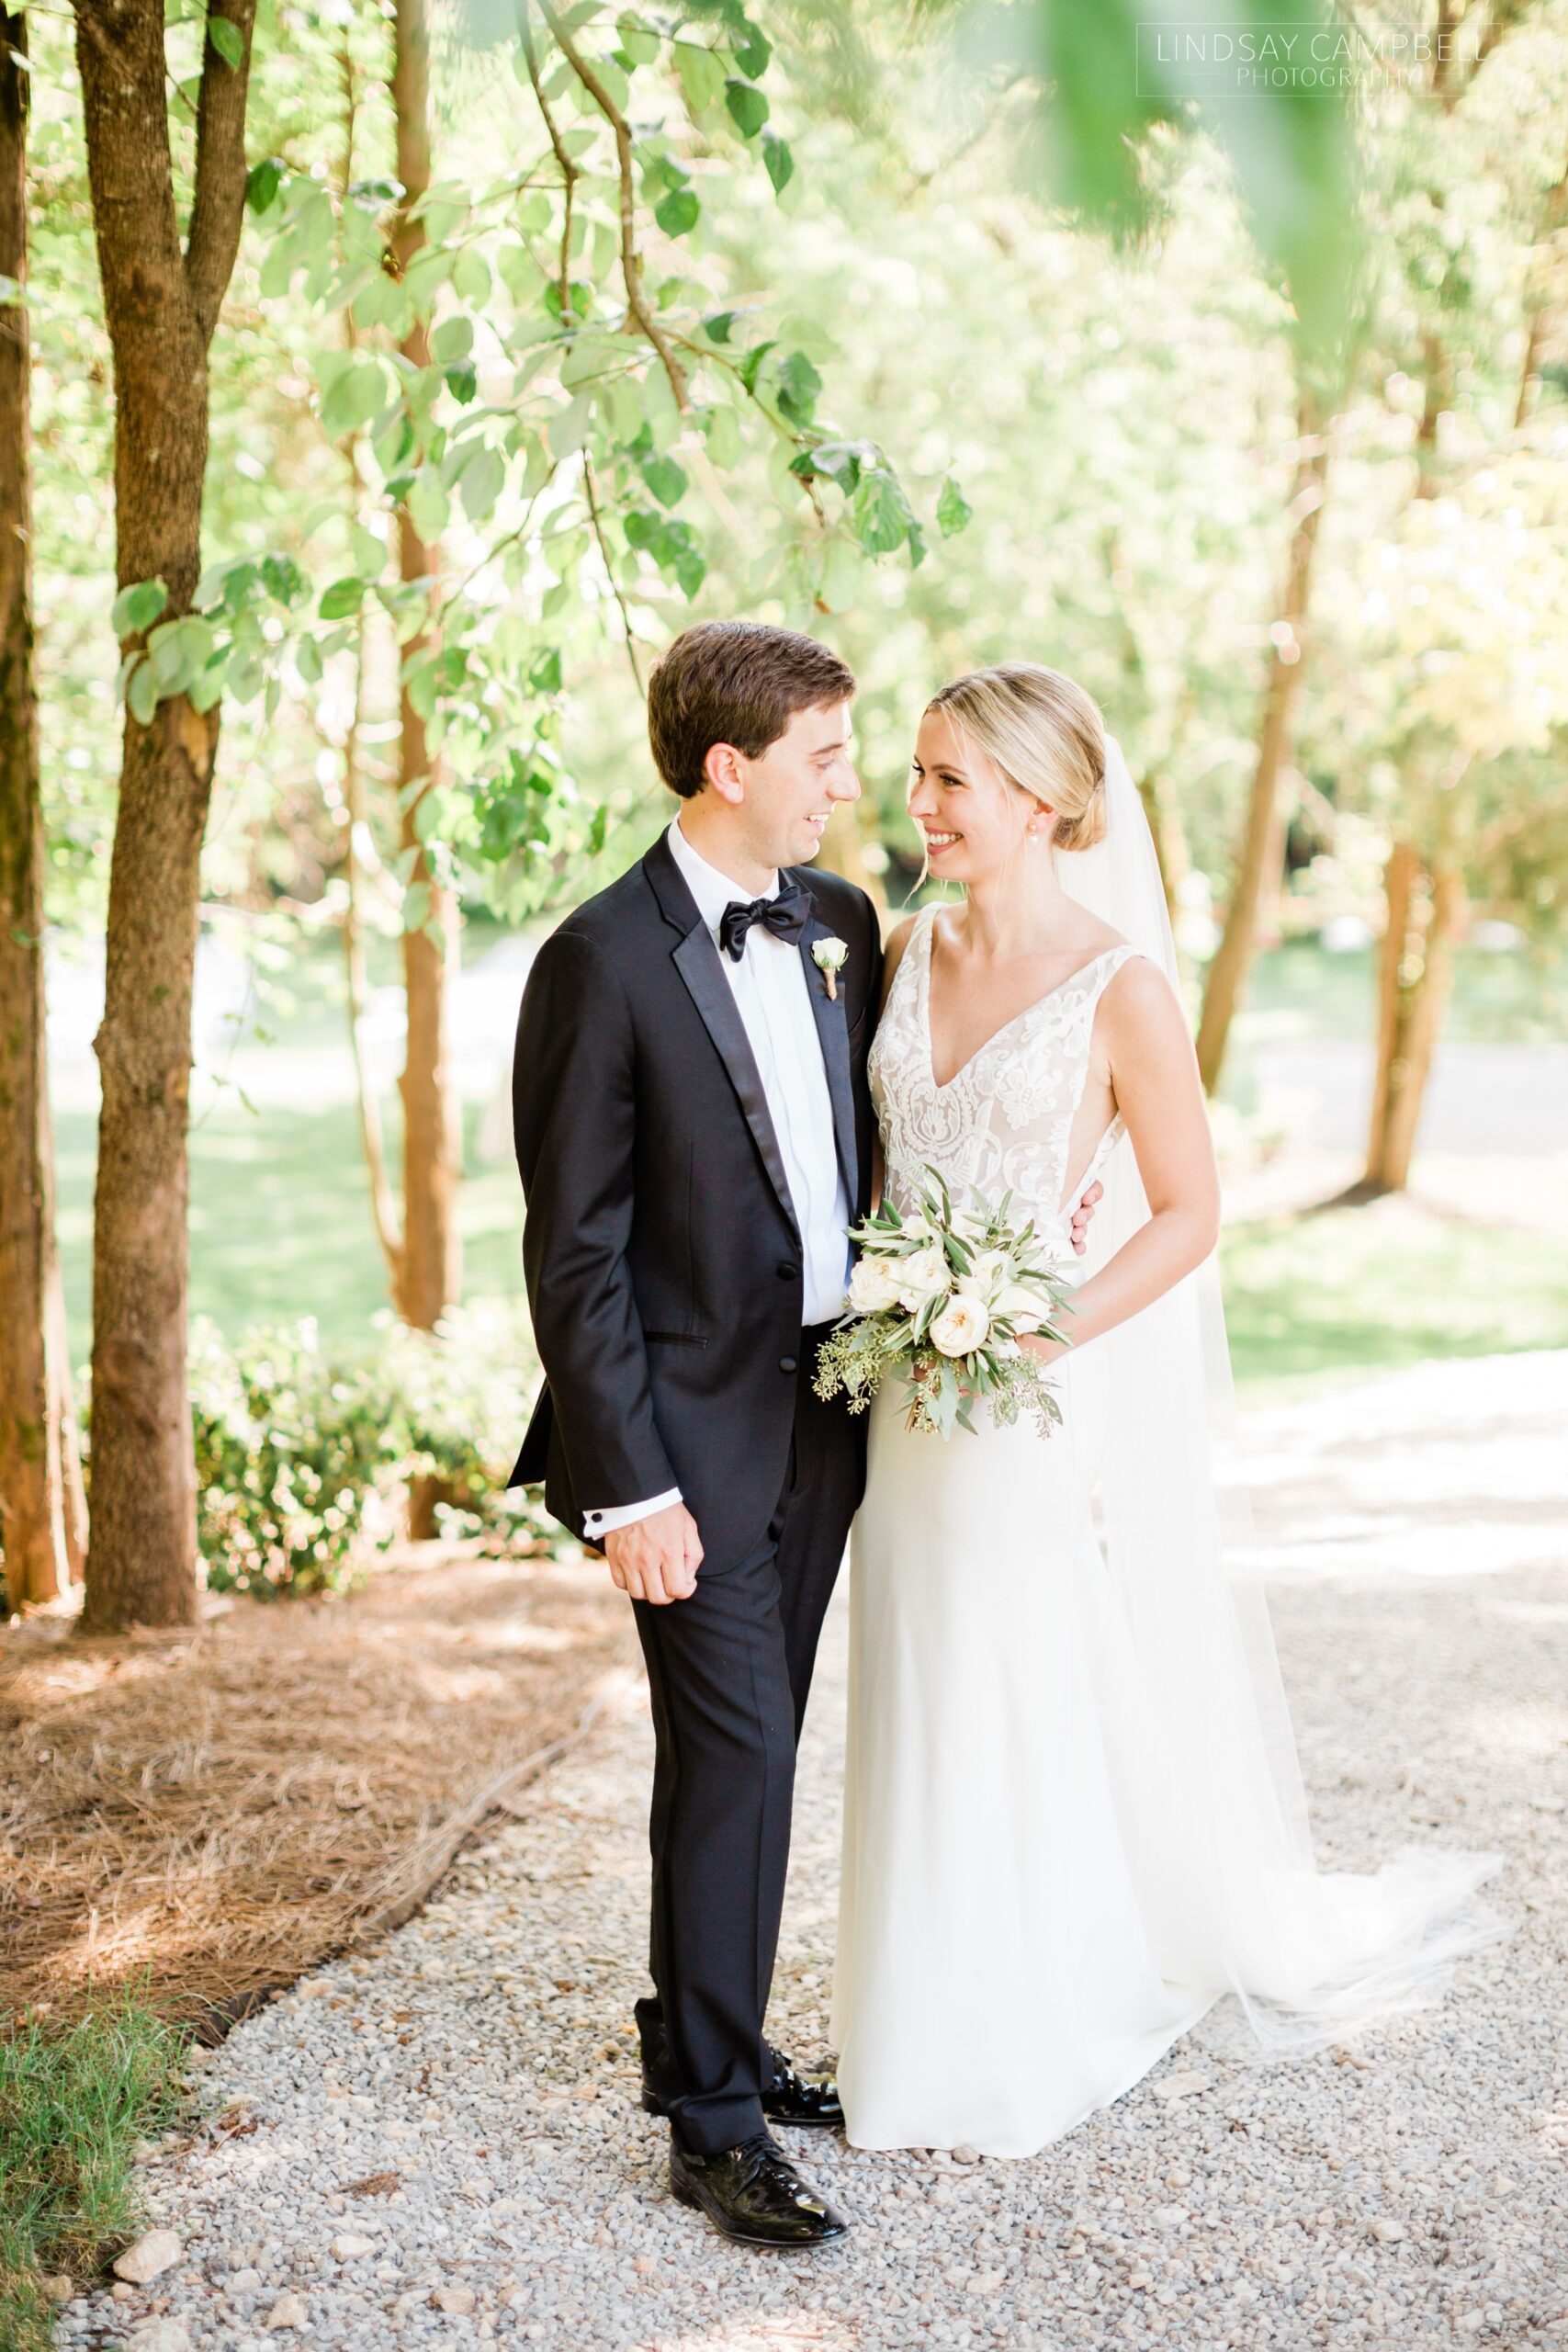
[
  {"x": 657, "y": 1558},
  {"x": 1082, "y": 1215}
]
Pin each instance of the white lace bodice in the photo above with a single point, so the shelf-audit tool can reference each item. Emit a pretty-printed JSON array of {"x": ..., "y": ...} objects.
[{"x": 1004, "y": 1121}]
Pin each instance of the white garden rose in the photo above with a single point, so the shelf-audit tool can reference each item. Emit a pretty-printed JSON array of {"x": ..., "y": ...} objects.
[
  {"x": 988, "y": 1272},
  {"x": 918, "y": 1227},
  {"x": 961, "y": 1328},
  {"x": 923, "y": 1274},
  {"x": 874, "y": 1286}
]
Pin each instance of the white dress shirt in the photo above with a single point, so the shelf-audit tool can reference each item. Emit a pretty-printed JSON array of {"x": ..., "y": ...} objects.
[{"x": 772, "y": 997}]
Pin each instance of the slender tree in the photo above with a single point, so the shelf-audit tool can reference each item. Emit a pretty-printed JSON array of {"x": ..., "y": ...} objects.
[
  {"x": 430, "y": 1261},
  {"x": 43, "y": 1519},
  {"x": 162, "y": 298},
  {"x": 1262, "y": 843}
]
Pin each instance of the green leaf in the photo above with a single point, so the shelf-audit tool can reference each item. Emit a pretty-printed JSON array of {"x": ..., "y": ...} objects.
[
  {"x": 280, "y": 576},
  {"x": 263, "y": 182},
  {"x": 952, "y": 509},
  {"x": 721, "y": 431},
  {"x": 748, "y": 106},
  {"x": 308, "y": 661},
  {"x": 880, "y": 514},
  {"x": 228, "y": 40},
  {"x": 138, "y": 607},
  {"x": 753, "y": 51},
  {"x": 481, "y": 484},
  {"x": 343, "y": 599},
  {"x": 799, "y": 384},
  {"x": 463, "y": 381},
  {"x": 842, "y": 461},
  {"x": 453, "y": 340},
  {"x": 637, "y": 39},
  {"x": 544, "y": 672},
  {"x": 208, "y": 687},
  {"x": 665, "y": 480},
  {"x": 717, "y": 328},
  {"x": 702, "y": 74},
  {"x": 678, "y": 211},
  {"x": 428, "y": 505},
  {"x": 356, "y": 394},
  {"x": 470, "y": 278},
  {"x": 141, "y": 693},
  {"x": 780, "y": 160},
  {"x": 751, "y": 365}
]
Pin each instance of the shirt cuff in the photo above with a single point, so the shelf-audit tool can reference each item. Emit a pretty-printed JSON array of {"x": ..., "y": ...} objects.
[{"x": 604, "y": 1522}]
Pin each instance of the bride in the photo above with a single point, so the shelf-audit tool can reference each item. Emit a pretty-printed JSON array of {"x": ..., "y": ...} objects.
[{"x": 1074, "y": 1817}]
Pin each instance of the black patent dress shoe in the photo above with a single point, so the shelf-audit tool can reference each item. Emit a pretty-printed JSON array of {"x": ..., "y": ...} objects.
[
  {"x": 789, "y": 2097},
  {"x": 793, "y": 2097},
  {"x": 754, "y": 2194}
]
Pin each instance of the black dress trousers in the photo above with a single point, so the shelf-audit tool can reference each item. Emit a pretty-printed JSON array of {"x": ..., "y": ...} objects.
[{"x": 728, "y": 1670}]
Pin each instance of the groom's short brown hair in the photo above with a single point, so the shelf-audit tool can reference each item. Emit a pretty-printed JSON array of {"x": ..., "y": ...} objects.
[{"x": 734, "y": 681}]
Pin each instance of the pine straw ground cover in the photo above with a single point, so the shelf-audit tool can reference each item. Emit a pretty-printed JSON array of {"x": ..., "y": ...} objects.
[{"x": 206, "y": 1816}]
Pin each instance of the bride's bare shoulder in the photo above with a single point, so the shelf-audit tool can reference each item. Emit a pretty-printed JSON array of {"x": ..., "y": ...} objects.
[
  {"x": 893, "y": 948},
  {"x": 1139, "y": 1007}
]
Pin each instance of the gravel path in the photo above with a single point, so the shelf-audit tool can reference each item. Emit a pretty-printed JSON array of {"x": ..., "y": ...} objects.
[{"x": 439, "y": 2146}]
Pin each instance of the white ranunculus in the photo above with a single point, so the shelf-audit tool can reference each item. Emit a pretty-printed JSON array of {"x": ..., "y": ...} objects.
[
  {"x": 924, "y": 1273},
  {"x": 918, "y": 1227},
  {"x": 874, "y": 1286},
  {"x": 961, "y": 1328}
]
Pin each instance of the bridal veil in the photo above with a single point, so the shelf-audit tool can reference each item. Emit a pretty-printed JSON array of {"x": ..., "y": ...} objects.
[{"x": 1311, "y": 1956}]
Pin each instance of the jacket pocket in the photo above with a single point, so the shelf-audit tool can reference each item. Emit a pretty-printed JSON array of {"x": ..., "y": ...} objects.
[{"x": 675, "y": 1338}]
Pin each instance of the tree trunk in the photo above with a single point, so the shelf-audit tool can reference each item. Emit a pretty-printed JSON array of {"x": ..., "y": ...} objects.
[
  {"x": 1238, "y": 940},
  {"x": 1414, "y": 976},
  {"x": 430, "y": 1273},
  {"x": 40, "y": 1507},
  {"x": 161, "y": 303},
  {"x": 1166, "y": 830}
]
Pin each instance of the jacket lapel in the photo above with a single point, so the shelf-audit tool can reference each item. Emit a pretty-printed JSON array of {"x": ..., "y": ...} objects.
[
  {"x": 831, "y": 1016},
  {"x": 697, "y": 961}
]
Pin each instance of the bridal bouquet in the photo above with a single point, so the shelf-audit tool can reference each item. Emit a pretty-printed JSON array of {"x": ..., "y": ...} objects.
[{"x": 944, "y": 1296}]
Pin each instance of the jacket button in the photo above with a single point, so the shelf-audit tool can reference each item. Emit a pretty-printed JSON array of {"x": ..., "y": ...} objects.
[
  {"x": 788, "y": 1364},
  {"x": 785, "y": 1272}
]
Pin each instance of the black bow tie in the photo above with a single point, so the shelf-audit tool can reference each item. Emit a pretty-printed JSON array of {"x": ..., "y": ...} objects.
[{"x": 785, "y": 916}]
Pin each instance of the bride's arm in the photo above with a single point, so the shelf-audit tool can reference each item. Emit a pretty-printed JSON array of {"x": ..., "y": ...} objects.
[{"x": 1154, "y": 1075}]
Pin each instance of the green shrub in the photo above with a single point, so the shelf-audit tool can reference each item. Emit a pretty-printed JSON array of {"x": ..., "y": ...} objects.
[{"x": 304, "y": 1464}]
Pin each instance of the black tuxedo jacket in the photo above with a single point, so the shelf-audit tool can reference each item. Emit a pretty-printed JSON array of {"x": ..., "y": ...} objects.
[{"x": 660, "y": 1250}]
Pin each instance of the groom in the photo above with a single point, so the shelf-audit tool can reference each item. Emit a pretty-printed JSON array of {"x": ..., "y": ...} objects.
[{"x": 695, "y": 1133}]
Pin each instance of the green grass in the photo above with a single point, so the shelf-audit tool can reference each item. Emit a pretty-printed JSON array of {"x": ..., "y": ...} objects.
[
  {"x": 1344, "y": 1293},
  {"x": 74, "y": 2099},
  {"x": 1297, "y": 990},
  {"x": 280, "y": 1222}
]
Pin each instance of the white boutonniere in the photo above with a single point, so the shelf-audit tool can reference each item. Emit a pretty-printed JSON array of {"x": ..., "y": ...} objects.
[{"x": 830, "y": 956}]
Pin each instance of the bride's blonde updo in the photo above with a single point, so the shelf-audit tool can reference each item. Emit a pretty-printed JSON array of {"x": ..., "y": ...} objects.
[{"x": 1045, "y": 734}]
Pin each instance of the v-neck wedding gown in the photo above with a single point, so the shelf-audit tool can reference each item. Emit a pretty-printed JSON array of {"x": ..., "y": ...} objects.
[{"x": 1004, "y": 1965}]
